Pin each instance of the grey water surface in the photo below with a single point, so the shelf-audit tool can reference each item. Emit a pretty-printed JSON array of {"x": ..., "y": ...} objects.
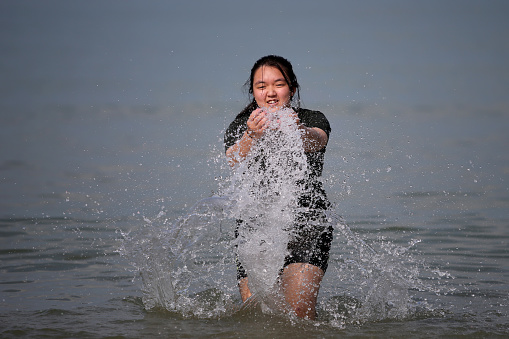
[{"x": 112, "y": 114}]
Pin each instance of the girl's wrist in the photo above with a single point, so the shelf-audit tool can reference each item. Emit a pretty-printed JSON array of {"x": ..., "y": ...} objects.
[{"x": 250, "y": 134}]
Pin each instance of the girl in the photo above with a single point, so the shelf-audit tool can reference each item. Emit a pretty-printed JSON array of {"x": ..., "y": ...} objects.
[{"x": 273, "y": 85}]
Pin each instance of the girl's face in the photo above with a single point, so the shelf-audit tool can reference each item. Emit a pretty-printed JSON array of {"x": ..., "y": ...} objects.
[{"x": 270, "y": 89}]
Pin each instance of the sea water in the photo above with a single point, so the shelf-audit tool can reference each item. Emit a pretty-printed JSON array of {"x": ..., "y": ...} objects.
[
  {"x": 429, "y": 259},
  {"x": 111, "y": 124}
]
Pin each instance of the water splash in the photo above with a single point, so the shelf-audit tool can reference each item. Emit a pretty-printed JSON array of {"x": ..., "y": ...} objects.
[
  {"x": 187, "y": 265},
  {"x": 178, "y": 260},
  {"x": 266, "y": 188}
]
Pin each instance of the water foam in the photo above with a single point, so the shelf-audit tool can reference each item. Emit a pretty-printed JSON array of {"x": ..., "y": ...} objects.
[
  {"x": 187, "y": 265},
  {"x": 266, "y": 188}
]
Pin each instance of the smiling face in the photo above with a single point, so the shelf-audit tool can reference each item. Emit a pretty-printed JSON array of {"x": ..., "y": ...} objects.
[{"x": 270, "y": 88}]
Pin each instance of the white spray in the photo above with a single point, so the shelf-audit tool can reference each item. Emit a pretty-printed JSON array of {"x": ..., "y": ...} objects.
[{"x": 266, "y": 190}]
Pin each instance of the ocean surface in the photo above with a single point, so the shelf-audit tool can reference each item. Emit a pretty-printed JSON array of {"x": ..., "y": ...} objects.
[{"x": 112, "y": 115}]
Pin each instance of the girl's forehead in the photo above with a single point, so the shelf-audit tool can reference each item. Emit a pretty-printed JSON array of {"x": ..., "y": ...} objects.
[{"x": 268, "y": 71}]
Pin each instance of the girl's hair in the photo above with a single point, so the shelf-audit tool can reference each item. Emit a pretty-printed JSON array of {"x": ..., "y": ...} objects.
[{"x": 284, "y": 66}]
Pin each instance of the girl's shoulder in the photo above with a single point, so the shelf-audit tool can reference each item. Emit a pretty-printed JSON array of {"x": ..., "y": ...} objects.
[{"x": 312, "y": 118}]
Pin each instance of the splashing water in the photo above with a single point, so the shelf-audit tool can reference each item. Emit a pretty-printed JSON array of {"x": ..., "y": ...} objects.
[
  {"x": 188, "y": 265},
  {"x": 266, "y": 189},
  {"x": 180, "y": 260}
]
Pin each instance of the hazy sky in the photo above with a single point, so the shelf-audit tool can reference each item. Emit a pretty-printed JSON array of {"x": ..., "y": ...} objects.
[{"x": 161, "y": 52}]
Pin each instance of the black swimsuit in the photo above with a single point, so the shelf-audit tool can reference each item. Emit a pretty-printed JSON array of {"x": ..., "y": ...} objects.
[{"x": 308, "y": 244}]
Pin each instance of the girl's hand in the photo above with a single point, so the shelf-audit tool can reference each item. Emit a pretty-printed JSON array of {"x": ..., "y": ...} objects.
[
  {"x": 257, "y": 123},
  {"x": 314, "y": 139}
]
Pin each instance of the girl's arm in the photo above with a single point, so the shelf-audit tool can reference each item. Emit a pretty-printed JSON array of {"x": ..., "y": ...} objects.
[
  {"x": 256, "y": 125},
  {"x": 240, "y": 149},
  {"x": 314, "y": 138}
]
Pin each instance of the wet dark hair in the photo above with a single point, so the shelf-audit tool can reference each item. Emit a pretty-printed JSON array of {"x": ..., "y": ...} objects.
[{"x": 284, "y": 66}]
